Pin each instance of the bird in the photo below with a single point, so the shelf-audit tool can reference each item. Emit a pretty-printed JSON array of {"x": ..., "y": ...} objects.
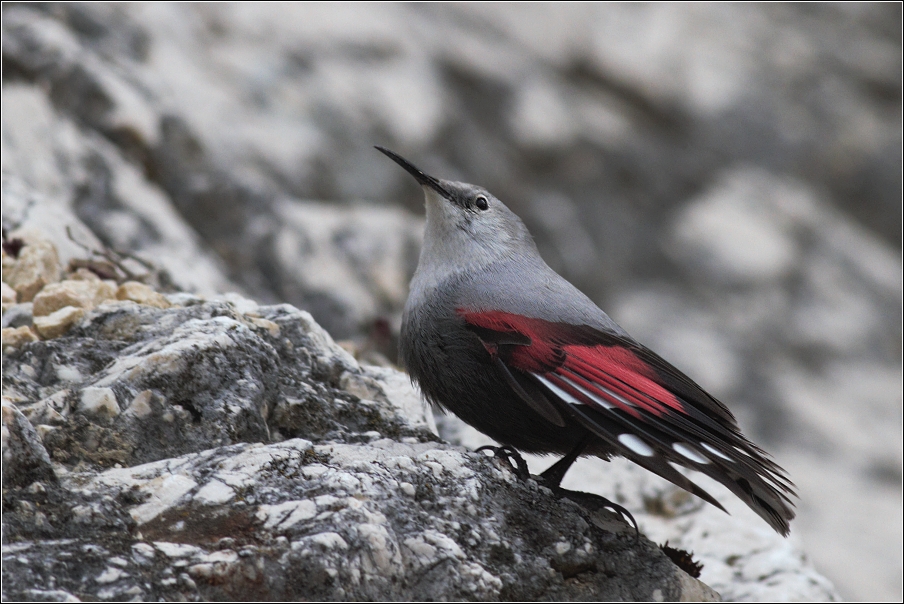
[{"x": 495, "y": 336}]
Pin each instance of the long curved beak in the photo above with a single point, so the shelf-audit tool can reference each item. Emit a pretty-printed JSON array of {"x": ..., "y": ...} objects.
[{"x": 424, "y": 179}]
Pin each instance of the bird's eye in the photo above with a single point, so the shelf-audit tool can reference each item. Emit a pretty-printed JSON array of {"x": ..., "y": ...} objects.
[{"x": 482, "y": 203}]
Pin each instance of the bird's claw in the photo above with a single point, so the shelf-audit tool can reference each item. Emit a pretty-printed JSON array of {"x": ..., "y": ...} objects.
[
  {"x": 592, "y": 503},
  {"x": 511, "y": 456},
  {"x": 519, "y": 467},
  {"x": 623, "y": 513}
]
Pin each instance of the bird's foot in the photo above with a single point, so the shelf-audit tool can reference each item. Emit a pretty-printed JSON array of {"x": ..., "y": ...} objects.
[
  {"x": 551, "y": 479},
  {"x": 594, "y": 502},
  {"x": 511, "y": 456},
  {"x": 622, "y": 512}
]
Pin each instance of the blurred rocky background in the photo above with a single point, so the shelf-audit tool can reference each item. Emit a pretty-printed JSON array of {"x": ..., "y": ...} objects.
[{"x": 724, "y": 180}]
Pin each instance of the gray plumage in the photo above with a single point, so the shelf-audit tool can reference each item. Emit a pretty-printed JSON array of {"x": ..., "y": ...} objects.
[{"x": 492, "y": 334}]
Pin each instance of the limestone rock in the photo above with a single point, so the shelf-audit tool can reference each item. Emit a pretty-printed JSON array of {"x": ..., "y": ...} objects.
[
  {"x": 24, "y": 458},
  {"x": 346, "y": 265},
  {"x": 99, "y": 403},
  {"x": 205, "y": 375},
  {"x": 58, "y": 322},
  {"x": 743, "y": 559},
  {"x": 9, "y": 295},
  {"x": 142, "y": 294},
  {"x": 383, "y": 520},
  {"x": 82, "y": 274},
  {"x": 35, "y": 265},
  {"x": 77, "y": 293},
  {"x": 60, "y": 179},
  {"x": 723, "y": 179},
  {"x": 16, "y": 336},
  {"x": 220, "y": 448}
]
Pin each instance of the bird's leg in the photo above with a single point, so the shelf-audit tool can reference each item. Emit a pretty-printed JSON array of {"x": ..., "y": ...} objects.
[
  {"x": 553, "y": 476},
  {"x": 510, "y": 455}
]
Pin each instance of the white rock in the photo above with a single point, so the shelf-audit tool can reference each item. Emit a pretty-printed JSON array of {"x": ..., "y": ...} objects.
[
  {"x": 399, "y": 391},
  {"x": 141, "y": 404},
  {"x": 110, "y": 575},
  {"x": 329, "y": 540},
  {"x": 165, "y": 491},
  {"x": 176, "y": 550},
  {"x": 9, "y": 295},
  {"x": 287, "y": 514},
  {"x": 214, "y": 493},
  {"x": 99, "y": 402},
  {"x": 68, "y": 373},
  {"x": 730, "y": 232}
]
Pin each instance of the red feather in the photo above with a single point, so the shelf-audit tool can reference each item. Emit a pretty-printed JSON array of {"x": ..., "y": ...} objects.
[
  {"x": 552, "y": 348},
  {"x": 635, "y": 401}
]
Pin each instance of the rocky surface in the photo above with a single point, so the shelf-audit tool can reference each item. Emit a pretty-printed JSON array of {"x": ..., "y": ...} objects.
[
  {"x": 295, "y": 520},
  {"x": 725, "y": 181},
  {"x": 224, "y": 450},
  {"x": 742, "y": 558}
]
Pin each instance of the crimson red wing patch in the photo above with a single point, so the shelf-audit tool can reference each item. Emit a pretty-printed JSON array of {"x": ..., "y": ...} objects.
[{"x": 638, "y": 403}]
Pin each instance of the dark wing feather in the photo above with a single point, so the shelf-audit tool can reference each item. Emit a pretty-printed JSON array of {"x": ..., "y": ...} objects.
[{"x": 637, "y": 403}]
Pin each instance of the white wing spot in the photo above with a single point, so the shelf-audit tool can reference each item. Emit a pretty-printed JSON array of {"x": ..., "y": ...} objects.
[
  {"x": 596, "y": 399},
  {"x": 558, "y": 391},
  {"x": 635, "y": 444},
  {"x": 716, "y": 452},
  {"x": 686, "y": 451}
]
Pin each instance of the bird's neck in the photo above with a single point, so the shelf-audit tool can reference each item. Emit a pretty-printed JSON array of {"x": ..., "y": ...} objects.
[
  {"x": 447, "y": 253},
  {"x": 437, "y": 267}
]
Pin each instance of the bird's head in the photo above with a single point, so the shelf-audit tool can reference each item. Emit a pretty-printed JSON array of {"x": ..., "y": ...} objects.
[{"x": 466, "y": 225}]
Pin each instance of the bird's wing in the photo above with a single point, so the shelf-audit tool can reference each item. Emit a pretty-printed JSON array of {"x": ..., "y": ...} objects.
[{"x": 636, "y": 402}]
